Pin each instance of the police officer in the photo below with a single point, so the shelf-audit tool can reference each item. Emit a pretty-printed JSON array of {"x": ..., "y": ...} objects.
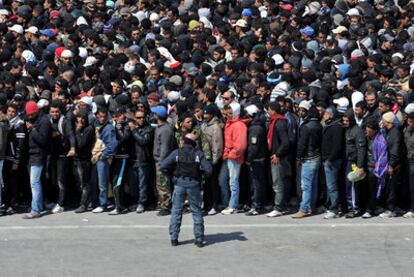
[{"x": 188, "y": 164}]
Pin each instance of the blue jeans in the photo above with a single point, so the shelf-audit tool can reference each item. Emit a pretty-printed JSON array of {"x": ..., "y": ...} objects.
[
  {"x": 331, "y": 176},
  {"x": 178, "y": 198},
  {"x": 309, "y": 183},
  {"x": 230, "y": 170},
  {"x": 352, "y": 191},
  {"x": 142, "y": 173},
  {"x": 36, "y": 185},
  {"x": 101, "y": 178}
]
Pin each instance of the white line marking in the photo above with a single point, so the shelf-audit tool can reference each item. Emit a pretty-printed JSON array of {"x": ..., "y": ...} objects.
[{"x": 209, "y": 226}]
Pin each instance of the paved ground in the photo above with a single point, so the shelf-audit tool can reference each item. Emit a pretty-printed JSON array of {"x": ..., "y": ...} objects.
[{"x": 138, "y": 245}]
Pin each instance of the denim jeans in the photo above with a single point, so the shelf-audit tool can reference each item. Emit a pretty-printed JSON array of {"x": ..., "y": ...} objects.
[
  {"x": 62, "y": 169},
  {"x": 142, "y": 173},
  {"x": 257, "y": 180},
  {"x": 178, "y": 198},
  {"x": 279, "y": 183},
  {"x": 230, "y": 171},
  {"x": 309, "y": 183},
  {"x": 352, "y": 191},
  {"x": 100, "y": 180},
  {"x": 36, "y": 185},
  {"x": 331, "y": 176}
]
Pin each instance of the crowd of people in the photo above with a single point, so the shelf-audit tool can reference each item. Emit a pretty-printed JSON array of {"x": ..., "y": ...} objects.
[{"x": 290, "y": 104}]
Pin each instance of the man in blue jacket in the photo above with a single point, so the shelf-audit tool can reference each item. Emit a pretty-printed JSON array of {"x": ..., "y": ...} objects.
[
  {"x": 105, "y": 132},
  {"x": 188, "y": 164}
]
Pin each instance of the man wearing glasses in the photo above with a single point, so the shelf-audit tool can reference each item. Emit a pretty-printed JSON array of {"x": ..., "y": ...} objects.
[{"x": 143, "y": 136}]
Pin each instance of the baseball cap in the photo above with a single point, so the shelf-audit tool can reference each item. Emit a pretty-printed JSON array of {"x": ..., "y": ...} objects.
[
  {"x": 32, "y": 29},
  {"x": 309, "y": 31},
  {"x": 48, "y": 32},
  {"x": 16, "y": 28},
  {"x": 339, "y": 30},
  {"x": 161, "y": 111},
  {"x": 241, "y": 23}
]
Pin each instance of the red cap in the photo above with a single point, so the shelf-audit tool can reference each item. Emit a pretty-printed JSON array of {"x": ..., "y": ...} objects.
[
  {"x": 31, "y": 108},
  {"x": 54, "y": 14},
  {"x": 175, "y": 65},
  {"x": 154, "y": 96},
  {"x": 59, "y": 50}
]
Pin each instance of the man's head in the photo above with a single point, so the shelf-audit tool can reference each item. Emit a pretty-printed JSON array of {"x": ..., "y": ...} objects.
[
  {"x": 227, "y": 97},
  {"x": 32, "y": 110},
  {"x": 388, "y": 120},
  {"x": 56, "y": 109},
  {"x": 371, "y": 128},
  {"x": 140, "y": 118},
  {"x": 410, "y": 121},
  {"x": 12, "y": 111},
  {"x": 274, "y": 108},
  {"x": 102, "y": 115}
]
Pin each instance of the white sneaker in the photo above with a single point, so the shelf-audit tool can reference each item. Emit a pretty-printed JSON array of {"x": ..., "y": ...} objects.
[
  {"x": 58, "y": 209},
  {"x": 388, "y": 214},
  {"x": 330, "y": 215},
  {"x": 274, "y": 213},
  {"x": 212, "y": 212},
  {"x": 366, "y": 215},
  {"x": 228, "y": 211},
  {"x": 408, "y": 215},
  {"x": 98, "y": 210}
]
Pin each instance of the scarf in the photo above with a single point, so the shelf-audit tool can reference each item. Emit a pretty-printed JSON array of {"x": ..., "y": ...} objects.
[
  {"x": 380, "y": 151},
  {"x": 273, "y": 120}
]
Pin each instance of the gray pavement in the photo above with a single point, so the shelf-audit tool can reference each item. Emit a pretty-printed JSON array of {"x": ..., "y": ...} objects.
[{"x": 138, "y": 245}]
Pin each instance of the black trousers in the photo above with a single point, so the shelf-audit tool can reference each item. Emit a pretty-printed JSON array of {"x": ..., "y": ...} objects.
[
  {"x": 211, "y": 195},
  {"x": 82, "y": 174}
]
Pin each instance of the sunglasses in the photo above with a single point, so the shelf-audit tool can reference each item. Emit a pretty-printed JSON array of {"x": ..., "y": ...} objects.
[
  {"x": 226, "y": 98},
  {"x": 139, "y": 117}
]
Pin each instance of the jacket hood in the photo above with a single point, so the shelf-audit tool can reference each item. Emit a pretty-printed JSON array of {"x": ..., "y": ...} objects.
[{"x": 343, "y": 71}]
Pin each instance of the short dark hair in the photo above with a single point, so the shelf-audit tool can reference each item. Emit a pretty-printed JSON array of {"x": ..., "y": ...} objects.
[{"x": 274, "y": 106}]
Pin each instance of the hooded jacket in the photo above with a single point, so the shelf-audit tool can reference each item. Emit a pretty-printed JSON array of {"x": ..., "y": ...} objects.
[
  {"x": 235, "y": 139},
  {"x": 333, "y": 141},
  {"x": 212, "y": 140},
  {"x": 16, "y": 140},
  {"x": 39, "y": 139},
  {"x": 143, "y": 137},
  {"x": 355, "y": 143}
]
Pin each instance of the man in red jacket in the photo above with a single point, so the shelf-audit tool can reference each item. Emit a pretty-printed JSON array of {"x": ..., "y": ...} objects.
[{"x": 235, "y": 144}]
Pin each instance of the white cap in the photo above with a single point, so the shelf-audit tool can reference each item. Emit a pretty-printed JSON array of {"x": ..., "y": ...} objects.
[
  {"x": 356, "y": 97},
  {"x": 278, "y": 59},
  {"x": 154, "y": 17},
  {"x": 16, "y": 28},
  {"x": 86, "y": 100},
  {"x": 409, "y": 109},
  {"x": 353, "y": 12},
  {"x": 306, "y": 104},
  {"x": 66, "y": 54},
  {"x": 173, "y": 96},
  {"x": 129, "y": 67},
  {"x": 81, "y": 21},
  {"x": 339, "y": 30},
  {"x": 342, "y": 102},
  {"x": 251, "y": 110},
  {"x": 90, "y": 61},
  {"x": 83, "y": 53},
  {"x": 32, "y": 29},
  {"x": 241, "y": 23},
  {"x": 4, "y": 12},
  {"x": 399, "y": 55}
]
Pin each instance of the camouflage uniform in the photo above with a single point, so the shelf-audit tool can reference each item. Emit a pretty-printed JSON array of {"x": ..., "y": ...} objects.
[{"x": 163, "y": 187}]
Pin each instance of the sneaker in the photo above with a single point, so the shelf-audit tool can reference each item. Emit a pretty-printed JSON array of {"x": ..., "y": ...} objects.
[
  {"x": 31, "y": 215},
  {"x": 350, "y": 214},
  {"x": 366, "y": 215},
  {"x": 252, "y": 212},
  {"x": 213, "y": 211},
  {"x": 58, "y": 209},
  {"x": 115, "y": 212},
  {"x": 174, "y": 242},
  {"x": 140, "y": 209},
  {"x": 80, "y": 209},
  {"x": 200, "y": 243},
  {"x": 163, "y": 212},
  {"x": 10, "y": 210},
  {"x": 98, "y": 210},
  {"x": 275, "y": 213},
  {"x": 408, "y": 215},
  {"x": 228, "y": 211},
  {"x": 300, "y": 214},
  {"x": 388, "y": 214},
  {"x": 330, "y": 215}
]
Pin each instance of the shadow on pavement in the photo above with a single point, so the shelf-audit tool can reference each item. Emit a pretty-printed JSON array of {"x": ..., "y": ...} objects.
[{"x": 219, "y": 238}]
